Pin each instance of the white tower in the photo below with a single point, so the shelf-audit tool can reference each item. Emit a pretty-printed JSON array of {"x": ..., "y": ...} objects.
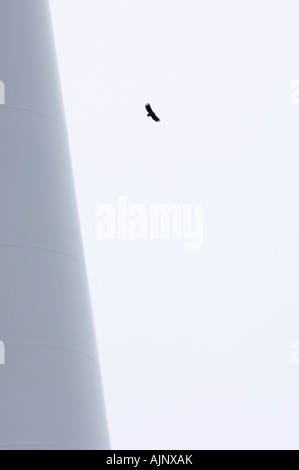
[{"x": 50, "y": 387}]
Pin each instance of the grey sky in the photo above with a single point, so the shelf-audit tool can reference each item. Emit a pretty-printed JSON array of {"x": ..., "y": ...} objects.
[{"x": 195, "y": 347}]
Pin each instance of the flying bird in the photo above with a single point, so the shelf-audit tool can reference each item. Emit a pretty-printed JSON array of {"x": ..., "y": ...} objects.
[{"x": 151, "y": 113}]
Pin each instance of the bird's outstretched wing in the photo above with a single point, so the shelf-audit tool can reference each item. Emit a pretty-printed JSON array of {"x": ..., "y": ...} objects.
[
  {"x": 151, "y": 113},
  {"x": 155, "y": 118},
  {"x": 149, "y": 109}
]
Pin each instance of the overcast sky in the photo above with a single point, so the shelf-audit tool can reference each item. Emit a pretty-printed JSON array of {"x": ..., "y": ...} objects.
[{"x": 195, "y": 346}]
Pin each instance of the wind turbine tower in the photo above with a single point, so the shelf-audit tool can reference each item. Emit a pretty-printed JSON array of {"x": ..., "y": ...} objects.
[{"x": 50, "y": 386}]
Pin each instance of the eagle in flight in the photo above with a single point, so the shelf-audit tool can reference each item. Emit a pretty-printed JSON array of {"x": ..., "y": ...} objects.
[{"x": 151, "y": 113}]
